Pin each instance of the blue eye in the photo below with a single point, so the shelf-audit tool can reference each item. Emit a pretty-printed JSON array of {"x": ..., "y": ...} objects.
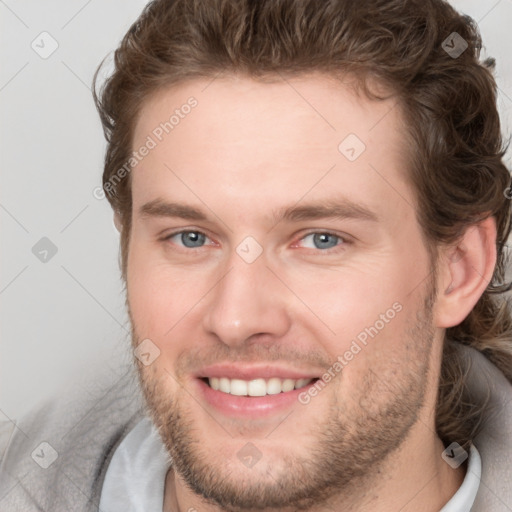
[
  {"x": 322, "y": 240},
  {"x": 190, "y": 239}
]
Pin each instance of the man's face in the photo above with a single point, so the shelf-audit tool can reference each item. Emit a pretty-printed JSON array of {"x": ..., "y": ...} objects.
[{"x": 290, "y": 247}]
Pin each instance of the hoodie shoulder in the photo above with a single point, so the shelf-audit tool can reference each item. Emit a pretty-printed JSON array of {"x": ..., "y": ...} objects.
[
  {"x": 55, "y": 457},
  {"x": 494, "y": 442}
]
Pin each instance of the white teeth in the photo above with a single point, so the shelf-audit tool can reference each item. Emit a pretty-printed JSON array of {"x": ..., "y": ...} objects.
[
  {"x": 301, "y": 383},
  {"x": 238, "y": 387},
  {"x": 274, "y": 386},
  {"x": 288, "y": 385},
  {"x": 256, "y": 387},
  {"x": 224, "y": 385}
]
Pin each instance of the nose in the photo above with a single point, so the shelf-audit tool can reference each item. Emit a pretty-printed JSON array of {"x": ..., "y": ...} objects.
[{"x": 247, "y": 303}]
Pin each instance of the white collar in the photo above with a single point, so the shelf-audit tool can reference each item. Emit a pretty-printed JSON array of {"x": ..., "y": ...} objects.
[
  {"x": 135, "y": 478},
  {"x": 463, "y": 499}
]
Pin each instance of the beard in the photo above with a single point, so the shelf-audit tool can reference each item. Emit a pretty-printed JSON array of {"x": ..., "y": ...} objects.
[{"x": 347, "y": 447}]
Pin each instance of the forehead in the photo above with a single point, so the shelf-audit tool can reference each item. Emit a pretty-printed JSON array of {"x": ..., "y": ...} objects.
[
  {"x": 244, "y": 138},
  {"x": 327, "y": 107}
]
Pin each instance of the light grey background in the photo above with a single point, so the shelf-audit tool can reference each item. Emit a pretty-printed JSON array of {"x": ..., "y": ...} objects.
[{"x": 63, "y": 321}]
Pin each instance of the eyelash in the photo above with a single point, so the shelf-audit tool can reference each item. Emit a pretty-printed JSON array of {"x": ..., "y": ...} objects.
[
  {"x": 166, "y": 238},
  {"x": 343, "y": 240}
]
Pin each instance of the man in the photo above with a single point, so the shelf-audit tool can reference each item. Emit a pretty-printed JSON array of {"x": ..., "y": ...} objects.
[{"x": 313, "y": 209}]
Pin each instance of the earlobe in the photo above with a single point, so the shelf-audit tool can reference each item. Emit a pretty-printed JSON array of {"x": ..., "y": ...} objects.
[{"x": 466, "y": 271}]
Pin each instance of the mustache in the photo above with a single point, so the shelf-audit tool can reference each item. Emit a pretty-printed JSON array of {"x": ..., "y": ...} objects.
[{"x": 190, "y": 361}]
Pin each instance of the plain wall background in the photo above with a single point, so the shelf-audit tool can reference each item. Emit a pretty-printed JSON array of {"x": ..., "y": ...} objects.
[{"x": 63, "y": 321}]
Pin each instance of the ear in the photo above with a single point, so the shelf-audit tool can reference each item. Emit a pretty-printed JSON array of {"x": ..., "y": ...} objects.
[
  {"x": 117, "y": 221},
  {"x": 464, "y": 272}
]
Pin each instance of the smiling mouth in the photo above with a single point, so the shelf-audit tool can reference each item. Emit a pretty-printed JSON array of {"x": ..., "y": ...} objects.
[{"x": 256, "y": 387}]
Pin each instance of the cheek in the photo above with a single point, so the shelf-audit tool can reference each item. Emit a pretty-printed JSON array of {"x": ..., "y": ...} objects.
[
  {"x": 347, "y": 300},
  {"x": 160, "y": 311},
  {"x": 363, "y": 314},
  {"x": 161, "y": 297},
  {"x": 146, "y": 293}
]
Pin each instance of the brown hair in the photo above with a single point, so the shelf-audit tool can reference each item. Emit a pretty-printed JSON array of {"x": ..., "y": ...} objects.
[{"x": 448, "y": 102}]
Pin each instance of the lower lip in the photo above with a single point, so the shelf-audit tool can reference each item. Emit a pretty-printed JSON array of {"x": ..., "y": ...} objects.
[{"x": 248, "y": 406}]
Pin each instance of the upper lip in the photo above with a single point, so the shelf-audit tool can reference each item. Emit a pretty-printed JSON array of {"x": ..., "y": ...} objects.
[{"x": 252, "y": 372}]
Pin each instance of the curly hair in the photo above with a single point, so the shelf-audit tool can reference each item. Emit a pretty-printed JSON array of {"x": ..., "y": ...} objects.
[{"x": 448, "y": 101}]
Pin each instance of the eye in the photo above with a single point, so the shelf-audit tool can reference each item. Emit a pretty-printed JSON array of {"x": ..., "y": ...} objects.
[
  {"x": 321, "y": 241},
  {"x": 189, "y": 239}
]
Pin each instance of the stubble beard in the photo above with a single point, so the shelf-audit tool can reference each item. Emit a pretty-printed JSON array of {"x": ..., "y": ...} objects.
[{"x": 349, "y": 445}]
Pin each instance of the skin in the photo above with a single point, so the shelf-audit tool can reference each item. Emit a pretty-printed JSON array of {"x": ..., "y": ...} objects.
[{"x": 367, "y": 441}]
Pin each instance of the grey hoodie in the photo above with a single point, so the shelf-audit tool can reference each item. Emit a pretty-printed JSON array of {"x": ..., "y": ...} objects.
[{"x": 55, "y": 459}]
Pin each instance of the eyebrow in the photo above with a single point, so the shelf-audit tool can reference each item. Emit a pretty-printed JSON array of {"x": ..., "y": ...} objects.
[
  {"x": 334, "y": 209},
  {"x": 160, "y": 208}
]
